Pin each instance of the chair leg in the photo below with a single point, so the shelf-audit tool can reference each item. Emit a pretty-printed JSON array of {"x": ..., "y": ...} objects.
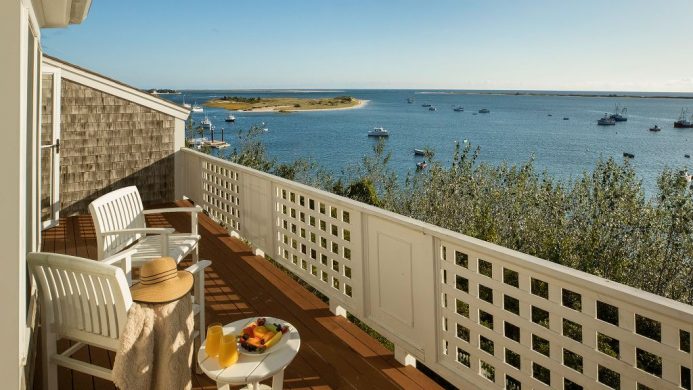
[{"x": 49, "y": 349}]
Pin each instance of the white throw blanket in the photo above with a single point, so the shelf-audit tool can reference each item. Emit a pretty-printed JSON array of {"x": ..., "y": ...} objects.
[{"x": 155, "y": 350}]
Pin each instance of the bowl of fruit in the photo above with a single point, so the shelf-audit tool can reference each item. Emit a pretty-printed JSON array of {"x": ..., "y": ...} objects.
[{"x": 262, "y": 336}]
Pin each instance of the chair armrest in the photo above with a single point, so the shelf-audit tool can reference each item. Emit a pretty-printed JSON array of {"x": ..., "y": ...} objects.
[
  {"x": 199, "y": 266},
  {"x": 194, "y": 209},
  {"x": 123, "y": 260},
  {"x": 165, "y": 231}
]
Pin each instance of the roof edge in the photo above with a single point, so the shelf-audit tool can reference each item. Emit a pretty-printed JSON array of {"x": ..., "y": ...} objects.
[{"x": 116, "y": 88}]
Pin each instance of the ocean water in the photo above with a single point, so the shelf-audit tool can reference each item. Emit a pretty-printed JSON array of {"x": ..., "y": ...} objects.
[{"x": 517, "y": 129}]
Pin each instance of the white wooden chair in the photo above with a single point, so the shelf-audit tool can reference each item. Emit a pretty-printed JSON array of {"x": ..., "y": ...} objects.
[
  {"x": 119, "y": 221},
  {"x": 87, "y": 301}
]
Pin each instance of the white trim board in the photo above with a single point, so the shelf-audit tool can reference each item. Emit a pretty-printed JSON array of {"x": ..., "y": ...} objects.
[{"x": 114, "y": 88}]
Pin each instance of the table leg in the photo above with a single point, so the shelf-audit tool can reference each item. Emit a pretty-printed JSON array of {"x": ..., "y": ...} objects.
[{"x": 278, "y": 381}]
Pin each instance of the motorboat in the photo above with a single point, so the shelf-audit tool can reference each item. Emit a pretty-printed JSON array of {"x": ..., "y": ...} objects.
[
  {"x": 197, "y": 108},
  {"x": 606, "y": 121},
  {"x": 684, "y": 123},
  {"x": 426, "y": 105},
  {"x": 655, "y": 128},
  {"x": 419, "y": 152},
  {"x": 410, "y": 100},
  {"x": 378, "y": 132},
  {"x": 628, "y": 155},
  {"x": 206, "y": 123},
  {"x": 421, "y": 165},
  {"x": 565, "y": 118},
  {"x": 484, "y": 111},
  {"x": 458, "y": 109},
  {"x": 230, "y": 118},
  {"x": 432, "y": 108}
]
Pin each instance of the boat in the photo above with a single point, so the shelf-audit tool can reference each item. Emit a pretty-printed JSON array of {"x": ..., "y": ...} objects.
[
  {"x": 628, "y": 155},
  {"x": 197, "y": 143},
  {"x": 550, "y": 115},
  {"x": 565, "y": 118},
  {"x": 484, "y": 111},
  {"x": 684, "y": 123},
  {"x": 686, "y": 176},
  {"x": 378, "y": 132},
  {"x": 206, "y": 123},
  {"x": 419, "y": 152},
  {"x": 186, "y": 105},
  {"x": 655, "y": 128},
  {"x": 432, "y": 108},
  {"x": 687, "y": 155},
  {"x": 410, "y": 100},
  {"x": 426, "y": 105},
  {"x": 606, "y": 121},
  {"x": 421, "y": 165},
  {"x": 458, "y": 109},
  {"x": 197, "y": 108},
  {"x": 619, "y": 114},
  {"x": 230, "y": 118}
]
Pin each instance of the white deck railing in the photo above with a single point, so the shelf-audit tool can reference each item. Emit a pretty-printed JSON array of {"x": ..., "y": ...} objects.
[{"x": 478, "y": 314}]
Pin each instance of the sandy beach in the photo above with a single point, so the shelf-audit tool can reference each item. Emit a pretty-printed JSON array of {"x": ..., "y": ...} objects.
[{"x": 360, "y": 104}]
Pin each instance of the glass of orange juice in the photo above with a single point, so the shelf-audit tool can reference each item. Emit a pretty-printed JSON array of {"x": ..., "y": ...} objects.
[
  {"x": 228, "y": 351},
  {"x": 213, "y": 341}
]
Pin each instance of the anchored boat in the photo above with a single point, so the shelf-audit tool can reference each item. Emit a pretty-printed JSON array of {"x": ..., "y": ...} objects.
[
  {"x": 619, "y": 114},
  {"x": 484, "y": 111},
  {"x": 606, "y": 121},
  {"x": 230, "y": 118},
  {"x": 419, "y": 152},
  {"x": 684, "y": 123},
  {"x": 378, "y": 132},
  {"x": 655, "y": 128}
]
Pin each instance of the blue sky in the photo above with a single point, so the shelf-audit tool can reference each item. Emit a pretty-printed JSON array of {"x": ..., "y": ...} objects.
[{"x": 620, "y": 45}]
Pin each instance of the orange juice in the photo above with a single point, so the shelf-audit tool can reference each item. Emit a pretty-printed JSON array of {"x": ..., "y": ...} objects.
[
  {"x": 228, "y": 352},
  {"x": 213, "y": 342}
]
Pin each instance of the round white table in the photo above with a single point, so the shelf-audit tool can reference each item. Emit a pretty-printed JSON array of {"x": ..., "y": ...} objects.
[{"x": 252, "y": 369}]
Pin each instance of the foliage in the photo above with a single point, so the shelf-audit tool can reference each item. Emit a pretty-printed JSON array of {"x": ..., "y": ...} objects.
[{"x": 601, "y": 223}]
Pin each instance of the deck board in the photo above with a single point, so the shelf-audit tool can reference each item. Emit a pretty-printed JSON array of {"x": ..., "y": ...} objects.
[{"x": 334, "y": 354}]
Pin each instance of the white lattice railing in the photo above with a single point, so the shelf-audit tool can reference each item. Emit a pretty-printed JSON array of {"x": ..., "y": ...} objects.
[{"x": 478, "y": 314}]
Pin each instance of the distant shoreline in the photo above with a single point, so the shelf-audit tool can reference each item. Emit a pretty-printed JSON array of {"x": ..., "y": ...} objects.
[
  {"x": 288, "y": 105},
  {"x": 559, "y": 94}
]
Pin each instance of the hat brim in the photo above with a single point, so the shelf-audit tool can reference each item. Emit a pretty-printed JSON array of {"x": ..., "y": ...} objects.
[{"x": 164, "y": 292}]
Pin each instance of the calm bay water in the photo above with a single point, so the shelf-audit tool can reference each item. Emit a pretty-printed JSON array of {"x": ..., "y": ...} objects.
[{"x": 517, "y": 128}]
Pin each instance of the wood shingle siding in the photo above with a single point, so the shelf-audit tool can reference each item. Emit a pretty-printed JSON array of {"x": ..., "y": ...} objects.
[{"x": 108, "y": 142}]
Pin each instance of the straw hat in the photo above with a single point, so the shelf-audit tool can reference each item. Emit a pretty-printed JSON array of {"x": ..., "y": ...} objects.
[{"x": 161, "y": 282}]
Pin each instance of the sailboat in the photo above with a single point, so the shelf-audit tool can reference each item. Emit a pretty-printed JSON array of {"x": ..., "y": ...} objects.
[
  {"x": 186, "y": 105},
  {"x": 197, "y": 108}
]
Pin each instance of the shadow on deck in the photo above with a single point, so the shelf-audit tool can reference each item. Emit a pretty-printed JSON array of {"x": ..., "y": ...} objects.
[{"x": 334, "y": 352}]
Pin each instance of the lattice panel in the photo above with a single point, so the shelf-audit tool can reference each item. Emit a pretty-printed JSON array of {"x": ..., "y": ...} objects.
[
  {"x": 525, "y": 328},
  {"x": 317, "y": 240},
  {"x": 221, "y": 194}
]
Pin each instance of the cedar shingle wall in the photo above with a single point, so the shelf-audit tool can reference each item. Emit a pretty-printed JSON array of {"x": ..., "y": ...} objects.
[{"x": 108, "y": 143}]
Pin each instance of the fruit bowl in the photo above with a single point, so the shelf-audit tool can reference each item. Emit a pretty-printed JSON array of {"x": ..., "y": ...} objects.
[{"x": 263, "y": 336}]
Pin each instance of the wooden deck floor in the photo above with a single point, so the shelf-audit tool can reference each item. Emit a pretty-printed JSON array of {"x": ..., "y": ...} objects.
[{"x": 335, "y": 354}]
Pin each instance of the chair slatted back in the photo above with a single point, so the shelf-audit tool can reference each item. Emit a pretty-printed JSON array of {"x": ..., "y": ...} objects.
[
  {"x": 81, "y": 299},
  {"x": 119, "y": 209}
]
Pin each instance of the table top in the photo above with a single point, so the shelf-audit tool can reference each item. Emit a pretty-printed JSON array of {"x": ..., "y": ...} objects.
[{"x": 251, "y": 368}]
